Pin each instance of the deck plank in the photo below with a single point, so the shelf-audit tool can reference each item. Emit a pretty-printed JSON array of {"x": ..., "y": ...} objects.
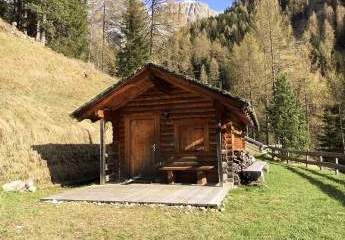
[{"x": 205, "y": 196}]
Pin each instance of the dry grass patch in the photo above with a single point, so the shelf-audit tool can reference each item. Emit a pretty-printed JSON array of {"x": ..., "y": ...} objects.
[{"x": 38, "y": 89}]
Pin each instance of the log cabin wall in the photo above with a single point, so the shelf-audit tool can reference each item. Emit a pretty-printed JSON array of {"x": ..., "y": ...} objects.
[
  {"x": 233, "y": 135},
  {"x": 232, "y": 140},
  {"x": 173, "y": 106}
]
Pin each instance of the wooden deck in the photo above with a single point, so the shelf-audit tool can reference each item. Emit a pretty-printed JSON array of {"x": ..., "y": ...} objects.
[{"x": 200, "y": 196}]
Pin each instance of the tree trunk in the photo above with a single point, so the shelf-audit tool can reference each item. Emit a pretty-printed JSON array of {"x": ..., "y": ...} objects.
[
  {"x": 38, "y": 30},
  {"x": 43, "y": 33}
]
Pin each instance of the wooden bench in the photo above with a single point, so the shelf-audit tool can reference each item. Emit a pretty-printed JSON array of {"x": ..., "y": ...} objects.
[
  {"x": 255, "y": 171},
  {"x": 201, "y": 171}
]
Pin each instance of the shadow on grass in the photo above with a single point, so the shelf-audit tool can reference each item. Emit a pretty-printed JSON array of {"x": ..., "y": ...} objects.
[
  {"x": 316, "y": 172},
  {"x": 70, "y": 164},
  {"x": 326, "y": 188},
  {"x": 338, "y": 181}
]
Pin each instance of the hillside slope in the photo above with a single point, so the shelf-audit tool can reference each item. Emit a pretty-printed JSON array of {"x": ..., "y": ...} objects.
[{"x": 38, "y": 89}]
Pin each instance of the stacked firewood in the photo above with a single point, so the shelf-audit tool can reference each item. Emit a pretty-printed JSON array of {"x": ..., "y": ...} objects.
[
  {"x": 234, "y": 164},
  {"x": 242, "y": 160}
]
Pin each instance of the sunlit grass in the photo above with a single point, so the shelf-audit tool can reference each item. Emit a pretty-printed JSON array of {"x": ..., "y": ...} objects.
[{"x": 295, "y": 203}]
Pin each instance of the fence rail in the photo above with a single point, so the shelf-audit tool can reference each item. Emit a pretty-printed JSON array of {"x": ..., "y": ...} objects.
[
  {"x": 321, "y": 159},
  {"x": 254, "y": 147}
]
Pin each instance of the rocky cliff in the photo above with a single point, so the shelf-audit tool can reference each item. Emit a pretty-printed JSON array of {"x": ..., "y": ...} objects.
[{"x": 183, "y": 12}]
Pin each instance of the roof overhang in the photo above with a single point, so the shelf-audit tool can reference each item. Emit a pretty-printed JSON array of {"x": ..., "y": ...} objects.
[{"x": 117, "y": 95}]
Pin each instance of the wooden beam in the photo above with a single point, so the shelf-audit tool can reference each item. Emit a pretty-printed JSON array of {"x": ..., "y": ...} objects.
[
  {"x": 128, "y": 91},
  {"x": 100, "y": 114},
  {"x": 231, "y": 104},
  {"x": 161, "y": 85},
  {"x": 220, "y": 110},
  {"x": 102, "y": 153},
  {"x": 219, "y": 154}
]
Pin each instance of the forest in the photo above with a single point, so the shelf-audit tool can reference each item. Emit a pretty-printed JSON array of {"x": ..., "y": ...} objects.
[{"x": 287, "y": 57}]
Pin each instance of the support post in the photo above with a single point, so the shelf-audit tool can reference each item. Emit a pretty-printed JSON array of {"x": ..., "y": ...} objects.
[
  {"x": 219, "y": 154},
  {"x": 102, "y": 154},
  {"x": 320, "y": 163},
  {"x": 306, "y": 160},
  {"x": 341, "y": 127},
  {"x": 336, "y": 167}
]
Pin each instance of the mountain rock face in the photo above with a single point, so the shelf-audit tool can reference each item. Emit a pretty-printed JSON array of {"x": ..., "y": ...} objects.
[
  {"x": 191, "y": 11},
  {"x": 182, "y": 13},
  {"x": 113, "y": 13}
]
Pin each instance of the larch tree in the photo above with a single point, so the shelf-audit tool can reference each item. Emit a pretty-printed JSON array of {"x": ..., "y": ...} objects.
[
  {"x": 313, "y": 35},
  {"x": 213, "y": 76},
  {"x": 329, "y": 14},
  {"x": 340, "y": 20},
  {"x": 203, "y": 75},
  {"x": 177, "y": 53},
  {"x": 327, "y": 47},
  {"x": 200, "y": 53},
  {"x": 248, "y": 75},
  {"x": 248, "y": 70},
  {"x": 273, "y": 34},
  {"x": 134, "y": 51}
]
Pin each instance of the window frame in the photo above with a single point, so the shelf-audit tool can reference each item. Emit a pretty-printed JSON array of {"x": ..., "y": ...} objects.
[{"x": 191, "y": 122}]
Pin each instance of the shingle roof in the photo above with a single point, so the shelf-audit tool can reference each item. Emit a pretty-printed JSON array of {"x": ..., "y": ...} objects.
[{"x": 244, "y": 104}]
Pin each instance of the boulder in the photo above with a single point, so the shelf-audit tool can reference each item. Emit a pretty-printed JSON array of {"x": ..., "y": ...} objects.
[
  {"x": 20, "y": 186},
  {"x": 14, "y": 186},
  {"x": 29, "y": 183},
  {"x": 32, "y": 189}
]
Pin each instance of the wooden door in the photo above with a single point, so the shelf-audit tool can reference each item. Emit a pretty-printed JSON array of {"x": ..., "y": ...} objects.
[{"x": 142, "y": 131}]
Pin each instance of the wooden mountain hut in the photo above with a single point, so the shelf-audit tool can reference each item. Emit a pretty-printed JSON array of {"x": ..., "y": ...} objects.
[{"x": 168, "y": 127}]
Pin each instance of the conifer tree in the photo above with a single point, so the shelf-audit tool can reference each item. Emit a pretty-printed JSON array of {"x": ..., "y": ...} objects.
[
  {"x": 330, "y": 136},
  {"x": 61, "y": 24},
  {"x": 287, "y": 117},
  {"x": 134, "y": 51},
  {"x": 159, "y": 24},
  {"x": 66, "y": 27}
]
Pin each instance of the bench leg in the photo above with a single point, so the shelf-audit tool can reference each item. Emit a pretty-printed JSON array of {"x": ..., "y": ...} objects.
[
  {"x": 201, "y": 176},
  {"x": 171, "y": 177},
  {"x": 262, "y": 177}
]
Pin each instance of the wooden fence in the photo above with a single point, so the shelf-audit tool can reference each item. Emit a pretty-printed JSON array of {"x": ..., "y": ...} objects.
[
  {"x": 254, "y": 147},
  {"x": 331, "y": 160}
]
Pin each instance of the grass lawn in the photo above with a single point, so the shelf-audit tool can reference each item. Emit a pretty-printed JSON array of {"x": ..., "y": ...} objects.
[{"x": 296, "y": 203}]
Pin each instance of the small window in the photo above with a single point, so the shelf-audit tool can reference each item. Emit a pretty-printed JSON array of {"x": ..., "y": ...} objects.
[{"x": 191, "y": 136}]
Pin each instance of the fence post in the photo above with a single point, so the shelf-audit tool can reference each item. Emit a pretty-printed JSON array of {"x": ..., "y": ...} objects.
[
  {"x": 287, "y": 157},
  {"x": 336, "y": 167},
  {"x": 306, "y": 159},
  {"x": 320, "y": 163}
]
